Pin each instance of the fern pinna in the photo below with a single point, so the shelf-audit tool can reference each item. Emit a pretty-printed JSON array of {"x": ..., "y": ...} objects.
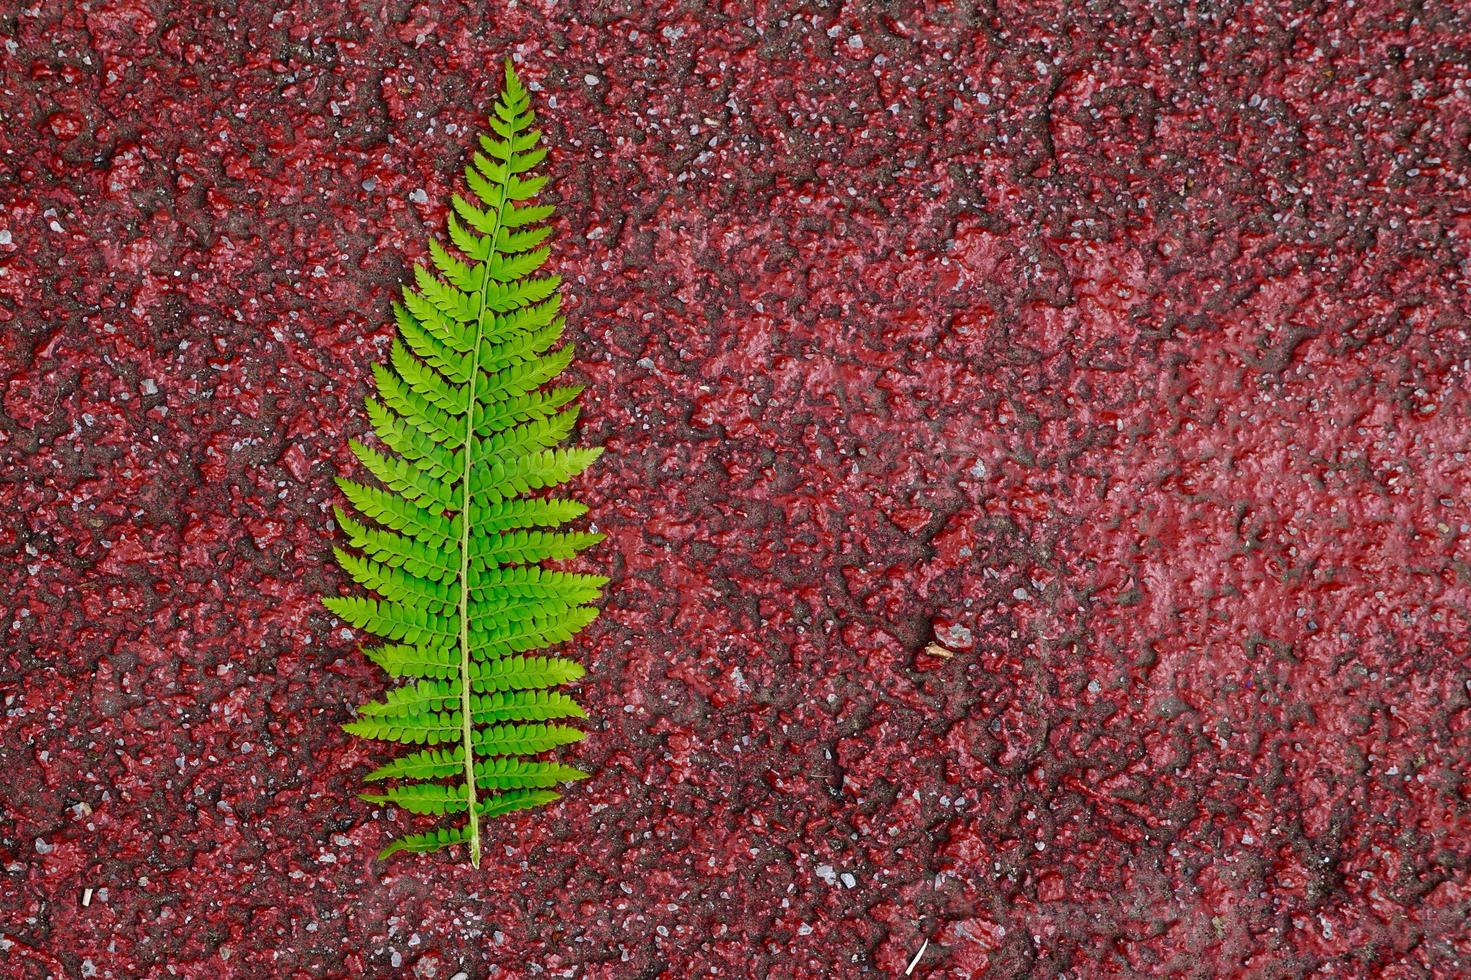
[{"x": 455, "y": 544}]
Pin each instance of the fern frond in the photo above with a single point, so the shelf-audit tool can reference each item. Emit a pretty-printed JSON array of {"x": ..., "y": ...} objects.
[
  {"x": 510, "y": 514},
  {"x": 426, "y": 382},
  {"x": 394, "y": 620},
  {"x": 525, "y": 706},
  {"x": 514, "y": 773},
  {"x": 494, "y": 481},
  {"x": 414, "y": 407},
  {"x": 524, "y": 376},
  {"x": 511, "y": 242},
  {"x": 404, "y": 660},
  {"x": 503, "y": 772},
  {"x": 520, "y": 217},
  {"x": 405, "y": 477},
  {"x": 452, "y": 302},
  {"x": 476, "y": 247},
  {"x": 413, "y": 555},
  {"x": 418, "y": 314},
  {"x": 423, "y": 798},
  {"x": 537, "y": 433},
  {"x": 409, "y": 724},
  {"x": 429, "y": 728},
  {"x": 523, "y": 739},
  {"x": 424, "y": 339},
  {"x": 500, "y": 328},
  {"x": 527, "y": 547},
  {"x": 504, "y": 803},
  {"x": 523, "y": 673},
  {"x": 405, "y": 439},
  {"x": 505, "y": 416},
  {"x": 449, "y": 535},
  {"x": 532, "y": 634},
  {"x": 398, "y": 585},
  {"x": 458, "y": 273},
  {"x": 434, "y": 840},
  {"x": 522, "y": 344},
  {"x": 497, "y": 585},
  {"x": 428, "y": 764},
  {"x": 427, "y": 527}
]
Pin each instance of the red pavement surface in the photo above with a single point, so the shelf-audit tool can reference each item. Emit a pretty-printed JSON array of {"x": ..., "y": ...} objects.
[{"x": 1120, "y": 347}]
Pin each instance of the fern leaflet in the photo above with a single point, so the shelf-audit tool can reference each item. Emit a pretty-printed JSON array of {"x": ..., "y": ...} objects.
[{"x": 453, "y": 540}]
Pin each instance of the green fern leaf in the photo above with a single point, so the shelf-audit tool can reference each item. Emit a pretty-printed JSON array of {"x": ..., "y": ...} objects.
[
  {"x": 476, "y": 247},
  {"x": 403, "y": 660},
  {"x": 434, "y": 840},
  {"x": 427, "y": 527},
  {"x": 400, "y": 586},
  {"x": 522, "y": 377},
  {"x": 429, "y": 728},
  {"x": 523, "y": 739},
  {"x": 511, "y": 242},
  {"x": 520, "y": 217},
  {"x": 423, "y": 798},
  {"x": 510, "y": 514},
  {"x": 513, "y": 773},
  {"x": 525, "y": 706},
  {"x": 502, "y": 327},
  {"x": 417, "y": 315},
  {"x": 518, "y": 637},
  {"x": 503, "y": 803},
  {"x": 431, "y": 695},
  {"x": 525, "y": 673},
  {"x": 502, "y": 585},
  {"x": 428, "y": 764},
  {"x": 518, "y": 475},
  {"x": 448, "y": 537},
  {"x": 502, "y": 419},
  {"x": 426, "y": 382},
  {"x": 412, "y": 554},
  {"x": 503, "y": 772},
  {"x": 522, "y": 345},
  {"x": 527, "y": 547},
  {"x": 414, "y": 407}
]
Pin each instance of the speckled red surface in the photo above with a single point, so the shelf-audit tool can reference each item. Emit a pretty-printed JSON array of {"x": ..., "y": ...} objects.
[{"x": 1122, "y": 347}]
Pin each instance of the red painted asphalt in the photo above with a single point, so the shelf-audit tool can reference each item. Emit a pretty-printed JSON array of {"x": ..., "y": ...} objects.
[{"x": 1121, "y": 351}]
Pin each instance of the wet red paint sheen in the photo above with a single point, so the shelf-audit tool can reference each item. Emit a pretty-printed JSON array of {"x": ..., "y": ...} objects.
[{"x": 1119, "y": 348}]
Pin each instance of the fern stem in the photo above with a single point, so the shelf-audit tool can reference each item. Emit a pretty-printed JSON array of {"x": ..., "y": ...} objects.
[{"x": 466, "y": 678}]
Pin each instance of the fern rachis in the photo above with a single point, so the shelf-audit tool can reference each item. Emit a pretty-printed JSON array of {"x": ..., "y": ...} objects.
[{"x": 453, "y": 542}]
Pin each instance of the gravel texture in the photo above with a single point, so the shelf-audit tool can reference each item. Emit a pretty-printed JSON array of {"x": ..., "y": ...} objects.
[{"x": 1118, "y": 348}]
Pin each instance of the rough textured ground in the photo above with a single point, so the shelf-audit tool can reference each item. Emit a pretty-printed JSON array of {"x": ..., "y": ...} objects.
[{"x": 1122, "y": 347}]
